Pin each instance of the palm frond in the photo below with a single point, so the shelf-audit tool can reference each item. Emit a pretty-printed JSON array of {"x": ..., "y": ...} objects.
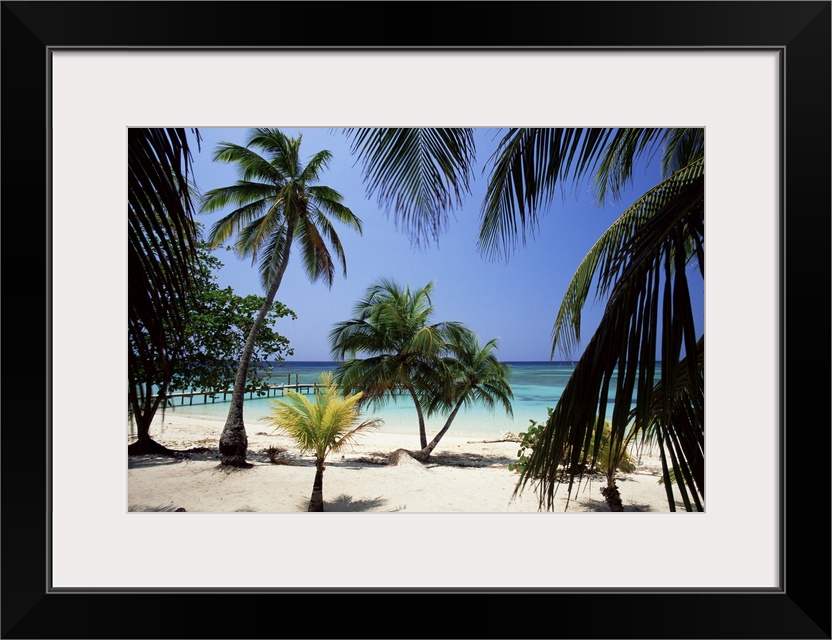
[
  {"x": 527, "y": 167},
  {"x": 375, "y": 376},
  {"x": 273, "y": 256},
  {"x": 315, "y": 256},
  {"x": 228, "y": 225},
  {"x": 675, "y": 422},
  {"x": 681, "y": 148},
  {"x": 420, "y": 174},
  {"x": 329, "y": 233},
  {"x": 623, "y": 152},
  {"x": 651, "y": 291},
  {"x": 602, "y": 257},
  {"x": 161, "y": 231},
  {"x": 250, "y": 165},
  {"x": 239, "y": 194},
  {"x": 330, "y": 202},
  {"x": 353, "y": 434},
  {"x": 254, "y": 233},
  {"x": 313, "y": 168}
]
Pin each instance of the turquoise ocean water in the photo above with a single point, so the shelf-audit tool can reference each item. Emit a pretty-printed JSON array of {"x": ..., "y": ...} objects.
[{"x": 536, "y": 386}]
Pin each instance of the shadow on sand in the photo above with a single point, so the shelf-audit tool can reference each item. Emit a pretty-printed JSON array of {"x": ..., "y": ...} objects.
[
  {"x": 599, "y": 505},
  {"x": 345, "y": 503},
  {"x": 470, "y": 460},
  {"x": 439, "y": 459},
  {"x": 157, "y": 508},
  {"x": 150, "y": 460},
  {"x": 205, "y": 454}
]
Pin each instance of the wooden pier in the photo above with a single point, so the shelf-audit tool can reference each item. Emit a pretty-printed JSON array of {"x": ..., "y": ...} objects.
[{"x": 225, "y": 394}]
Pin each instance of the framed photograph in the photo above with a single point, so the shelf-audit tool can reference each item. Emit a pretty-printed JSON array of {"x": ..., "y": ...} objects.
[{"x": 755, "y": 75}]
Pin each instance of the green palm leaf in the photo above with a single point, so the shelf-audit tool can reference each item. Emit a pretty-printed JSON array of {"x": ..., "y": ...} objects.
[
  {"x": 421, "y": 174},
  {"x": 602, "y": 257},
  {"x": 252, "y": 166},
  {"x": 527, "y": 167},
  {"x": 160, "y": 253},
  {"x": 161, "y": 231},
  {"x": 242, "y": 193},
  {"x": 651, "y": 288},
  {"x": 676, "y": 423},
  {"x": 625, "y": 148},
  {"x": 681, "y": 148}
]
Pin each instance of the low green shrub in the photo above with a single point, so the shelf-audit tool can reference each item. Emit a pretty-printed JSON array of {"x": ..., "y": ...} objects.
[{"x": 529, "y": 438}]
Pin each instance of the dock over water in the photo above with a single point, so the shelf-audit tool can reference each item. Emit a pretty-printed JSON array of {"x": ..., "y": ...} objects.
[{"x": 266, "y": 391}]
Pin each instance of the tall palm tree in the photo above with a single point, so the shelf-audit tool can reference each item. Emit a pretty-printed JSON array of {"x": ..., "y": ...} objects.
[
  {"x": 328, "y": 422},
  {"x": 391, "y": 327},
  {"x": 469, "y": 374},
  {"x": 279, "y": 203},
  {"x": 641, "y": 264},
  {"x": 161, "y": 250}
]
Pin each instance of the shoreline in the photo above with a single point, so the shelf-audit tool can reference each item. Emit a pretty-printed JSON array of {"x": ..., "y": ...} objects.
[
  {"x": 465, "y": 474},
  {"x": 397, "y": 419}
]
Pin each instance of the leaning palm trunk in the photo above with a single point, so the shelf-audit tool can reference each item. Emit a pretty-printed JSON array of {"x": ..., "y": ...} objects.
[
  {"x": 316, "y": 502},
  {"x": 423, "y": 438},
  {"x": 234, "y": 441},
  {"x": 424, "y": 454}
]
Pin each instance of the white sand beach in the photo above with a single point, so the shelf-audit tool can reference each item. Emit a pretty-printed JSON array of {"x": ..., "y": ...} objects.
[{"x": 464, "y": 475}]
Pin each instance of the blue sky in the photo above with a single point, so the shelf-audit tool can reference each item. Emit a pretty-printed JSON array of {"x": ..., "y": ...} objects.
[{"x": 514, "y": 300}]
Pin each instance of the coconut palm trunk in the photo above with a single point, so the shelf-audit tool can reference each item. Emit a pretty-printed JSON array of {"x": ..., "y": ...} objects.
[
  {"x": 234, "y": 441},
  {"x": 427, "y": 449},
  {"x": 316, "y": 502},
  {"x": 423, "y": 437},
  {"x": 612, "y": 495}
]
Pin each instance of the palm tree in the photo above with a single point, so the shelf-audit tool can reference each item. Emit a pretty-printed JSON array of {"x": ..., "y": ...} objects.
[
  {"x": 279, "y": 203},
  {"x": 324, "y": 424},
  {"x": 472, "y": 374},
  {"x": 641, "y": 265},
  {"x": 610, "y": 456},
  {"x": 391, "y": 326},
  {"x": 161, "y": 250}
]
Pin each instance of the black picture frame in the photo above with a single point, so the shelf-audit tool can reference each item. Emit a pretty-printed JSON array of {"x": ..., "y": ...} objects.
[{"x": 799, "y": 31}]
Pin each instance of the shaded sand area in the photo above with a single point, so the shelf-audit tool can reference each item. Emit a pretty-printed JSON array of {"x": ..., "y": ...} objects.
[{"x": 464, "y": 475}]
